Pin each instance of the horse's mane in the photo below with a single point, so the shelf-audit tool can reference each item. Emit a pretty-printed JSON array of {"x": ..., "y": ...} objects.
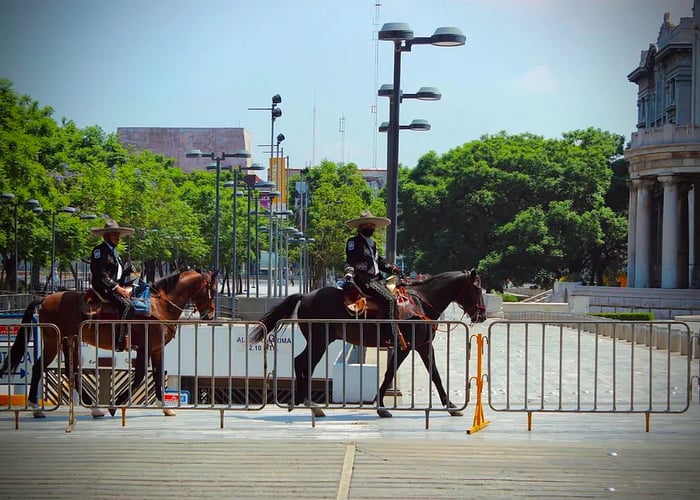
[
  {"x": 427, "y": 282},
  {"x": 168, "y": 282}
]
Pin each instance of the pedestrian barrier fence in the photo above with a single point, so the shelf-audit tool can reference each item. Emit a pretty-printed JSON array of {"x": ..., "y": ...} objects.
[
  {"x": 521, "y": 366},
  {"x": 589, "y": 366},
  {"x": 15, "y": 383},
  {"x": 351, "y": 373}
]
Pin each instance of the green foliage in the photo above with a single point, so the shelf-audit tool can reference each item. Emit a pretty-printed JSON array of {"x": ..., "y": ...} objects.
[
  {"x": 521, "y": 207},
  {"x": 517, "y": 206},
  {"x": 509, "y": 297},
  {"x": 337, "y": 193},
  {"x": 626, "y": 316}
]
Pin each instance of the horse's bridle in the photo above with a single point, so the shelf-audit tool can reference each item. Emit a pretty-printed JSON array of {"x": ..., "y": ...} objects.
[
  {"x": 476, "y": 306},
  {"x": 203, "y": 311},
  {"x": 210, "y": 307}
]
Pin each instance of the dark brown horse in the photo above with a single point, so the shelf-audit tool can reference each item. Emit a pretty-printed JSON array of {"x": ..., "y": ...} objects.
[
  {"x": 66, "y": 310},
  {"x": 434, "y": 295}
]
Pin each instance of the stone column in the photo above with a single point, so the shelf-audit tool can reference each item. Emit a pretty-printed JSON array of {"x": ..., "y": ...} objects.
[
  {"x": 694, "y": 236},
  {"x": 670, "y": 232},
  {"x": 631, "y": 234},
  {"x": 643, "y": 233}
]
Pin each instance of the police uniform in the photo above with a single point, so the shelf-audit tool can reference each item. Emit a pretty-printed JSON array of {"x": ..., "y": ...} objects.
[
  {"x": 364, "y": 263},
  {"x": 108, "y": 272}
]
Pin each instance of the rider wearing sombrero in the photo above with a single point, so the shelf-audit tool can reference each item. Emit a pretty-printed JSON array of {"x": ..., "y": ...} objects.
[
  {"x": 109, "y": 274},
  {"x": 363, "y": 264}
]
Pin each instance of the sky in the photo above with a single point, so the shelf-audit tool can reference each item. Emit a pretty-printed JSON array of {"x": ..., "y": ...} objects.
[{"x": 539, "y": 66}]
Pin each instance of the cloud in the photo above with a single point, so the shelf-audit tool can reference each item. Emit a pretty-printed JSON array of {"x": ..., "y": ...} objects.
[{"x": 538, "y": 79}]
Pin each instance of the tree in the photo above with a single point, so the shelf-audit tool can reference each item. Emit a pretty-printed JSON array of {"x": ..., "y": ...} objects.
[
  {"x": 522, "y": 207},
  {"x": 337, "y": 193}
]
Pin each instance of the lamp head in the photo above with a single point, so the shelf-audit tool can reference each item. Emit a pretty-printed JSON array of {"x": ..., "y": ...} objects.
[
  {"x": 396, "y": 32},
  {"x": 276, "y": 99},
  {"x": 448, "y": 36}
]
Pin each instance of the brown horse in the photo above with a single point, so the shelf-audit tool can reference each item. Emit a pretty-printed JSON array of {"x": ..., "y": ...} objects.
[
  {"x": 434, "y": 294},
  {"x": 67, "y": 311}
]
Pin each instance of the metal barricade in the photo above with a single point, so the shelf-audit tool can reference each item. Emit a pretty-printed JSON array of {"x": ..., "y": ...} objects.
[
  {"x": 207, "y": 366},
  {"x": 589, "y": 367},
  {"x": 15, "y": 383},
  {"x": 350, "y": 373}
]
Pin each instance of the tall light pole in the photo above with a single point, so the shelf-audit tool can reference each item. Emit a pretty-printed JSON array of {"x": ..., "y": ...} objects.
[
  {"x": 196, "y": 153},
  {"x": 66, "y": 210},
  {"x": 401, "y": 35},
  {"x": 275, "y": 112},
  {"x": 235, "y": 186},
  {"x": 262, "y": 187},
  {"x": 9, "y": 198}
]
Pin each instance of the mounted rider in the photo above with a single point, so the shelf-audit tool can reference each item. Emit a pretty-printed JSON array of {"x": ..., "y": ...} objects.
[
  {"x": 109, "y": 275},
  {"x": 363, "y": 264}
]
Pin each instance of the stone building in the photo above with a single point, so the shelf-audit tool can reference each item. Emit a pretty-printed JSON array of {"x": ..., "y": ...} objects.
[
  {"x": 175, "y": 142},
  {"x": 664, "y": 160}
]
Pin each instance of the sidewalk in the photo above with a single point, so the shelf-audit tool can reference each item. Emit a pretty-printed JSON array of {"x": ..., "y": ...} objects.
[{"x": 273, "y": 453}]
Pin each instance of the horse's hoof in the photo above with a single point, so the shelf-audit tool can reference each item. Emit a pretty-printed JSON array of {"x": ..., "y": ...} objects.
[
  {"x": 384, "y": 413},
  {"x": 38, "y": 412},
  {"x": 97, "y": 413},
  {"x": 454, "y": 413},
  {"x": 168, "y": 412},
  {"x": 315, "y": 410},
  {"x": 112, "y": 411}
]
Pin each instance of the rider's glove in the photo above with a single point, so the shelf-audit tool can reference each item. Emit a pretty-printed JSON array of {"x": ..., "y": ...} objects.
[
  {"x": 396, "y": 270},
  {"x": 349, "y": 273}
]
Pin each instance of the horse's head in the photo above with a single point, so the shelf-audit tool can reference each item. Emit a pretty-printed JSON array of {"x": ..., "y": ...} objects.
[
  {"x": 471, "y": 298},
  {"x": 204, "y": 296}
]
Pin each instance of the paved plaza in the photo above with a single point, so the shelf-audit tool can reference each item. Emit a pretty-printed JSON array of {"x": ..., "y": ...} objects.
[{"x": 273, "y": 453}]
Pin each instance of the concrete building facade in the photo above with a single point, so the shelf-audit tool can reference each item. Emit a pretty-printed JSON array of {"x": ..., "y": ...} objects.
[
  {"x": 664, "y": 160},
  {"x": 175, "y": 142}
]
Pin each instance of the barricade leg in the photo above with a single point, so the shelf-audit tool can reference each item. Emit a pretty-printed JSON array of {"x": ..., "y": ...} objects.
[{"x": 479, "y": 421}]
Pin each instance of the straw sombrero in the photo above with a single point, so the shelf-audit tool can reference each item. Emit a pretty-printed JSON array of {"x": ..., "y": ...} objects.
[
  {"x": 368, "y": 218},
  {"x": 111, "y": 226}
]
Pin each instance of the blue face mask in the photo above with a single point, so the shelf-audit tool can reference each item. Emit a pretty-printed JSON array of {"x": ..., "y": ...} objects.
[{"x": 367, "y": 231}]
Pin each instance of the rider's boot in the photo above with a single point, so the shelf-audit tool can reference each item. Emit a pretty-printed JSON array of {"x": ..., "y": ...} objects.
[
  {"x": 122, "y": 341},
  {"x": 403, "y": 345}
]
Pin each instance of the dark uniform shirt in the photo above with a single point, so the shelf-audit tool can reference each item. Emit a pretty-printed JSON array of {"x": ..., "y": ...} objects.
[
  {"x": 361, "y": 254},
  {"x": 104, "y": 267}
]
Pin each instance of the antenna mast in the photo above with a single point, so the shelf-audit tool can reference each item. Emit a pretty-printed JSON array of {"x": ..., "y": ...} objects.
[
  {"x": 341, "y": 129},
  {"x": 375, "y": 37}
]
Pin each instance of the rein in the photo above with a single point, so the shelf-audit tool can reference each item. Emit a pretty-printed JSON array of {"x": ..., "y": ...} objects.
[
  {"x": 457, "y": 298},
  {"x": 167, "y": 300}
]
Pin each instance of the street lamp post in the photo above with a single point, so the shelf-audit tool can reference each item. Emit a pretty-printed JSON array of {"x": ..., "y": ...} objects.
[
  {"x": 9, "y": 198},
  {"x": 402, "y": 36},
  {"x": 279, "y": 263},
  {"x": 275, "y": 113},
  {"x": 262, "y": 187},
  {"x": 234, "y": 242},
  {"x": 67, "y": 210},
  {"x": 196, "y": 153}
]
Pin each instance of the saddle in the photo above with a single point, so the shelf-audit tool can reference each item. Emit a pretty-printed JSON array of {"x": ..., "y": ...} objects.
[
  {"x": 357, "y": 304},
  {"x": 95, "y": 306}
]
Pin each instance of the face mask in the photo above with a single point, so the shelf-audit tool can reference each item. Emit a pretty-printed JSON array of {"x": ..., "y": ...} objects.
[{"x": 367, "y": 231}]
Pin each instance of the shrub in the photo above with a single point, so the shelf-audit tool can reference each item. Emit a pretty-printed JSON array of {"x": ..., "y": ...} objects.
[{"x": 627, "y": 316}]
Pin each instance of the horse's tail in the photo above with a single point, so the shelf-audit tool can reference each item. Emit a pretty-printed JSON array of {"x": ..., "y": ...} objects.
[
  {"x": 280, "y": 311},
  {"x": 19, "y": 348}
]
